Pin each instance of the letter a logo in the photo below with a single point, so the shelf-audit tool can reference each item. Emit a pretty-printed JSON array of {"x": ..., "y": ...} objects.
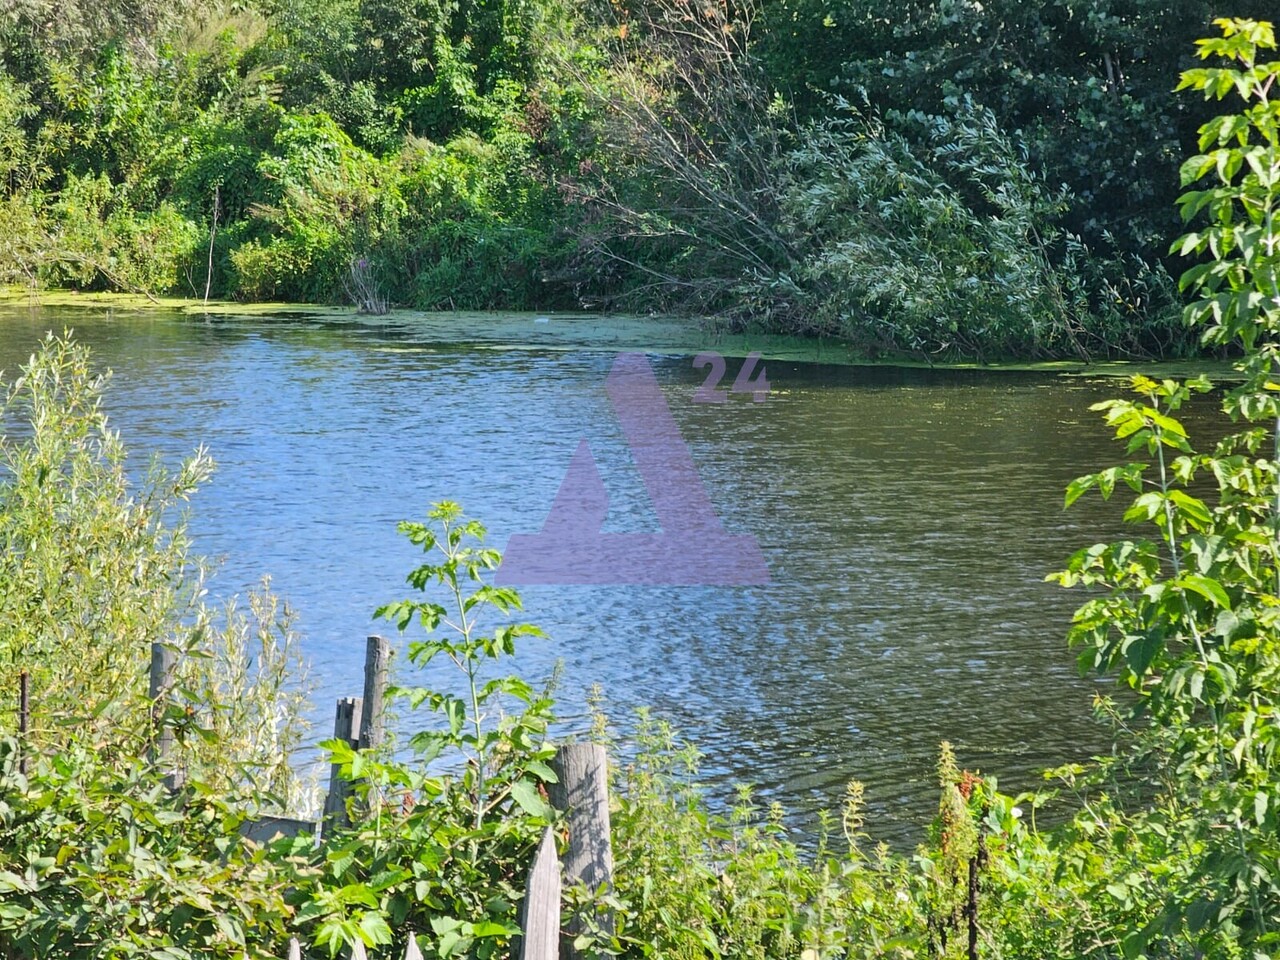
[{"x": 692, "y": 548}]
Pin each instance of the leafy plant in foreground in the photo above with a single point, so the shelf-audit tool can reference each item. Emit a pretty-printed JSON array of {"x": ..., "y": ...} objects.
[
  {"x": 457, "y": 560},
  {"x": 95, "y": 567},
  {"x": 444, "y": 844},
  {"x": 99, "y": 862},
  {"x": 1188, "y": 616}
]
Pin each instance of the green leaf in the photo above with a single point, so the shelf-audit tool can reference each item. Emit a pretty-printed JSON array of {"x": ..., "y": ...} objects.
[
  {"x": 1142, "y": 650},
  {"x": 542, "y": 771},
  {"x": 1077, "y": 487},
  {"x": 1145, "y": 507},
  {"x": 456, "y": 711},
  {"x": 525, "y": 794},
  {"x": 491, "y": 928},
  {"x": 12, "y": 883},
  {"x": 449, "y": 943},
  {"x": 443, "y": 925},
  {"x": 374, "y": 929},
  {"x": 1206, "y": 587},
  {"x": 1134, "y": 945},
  {"x": 1191, "y": 507}
]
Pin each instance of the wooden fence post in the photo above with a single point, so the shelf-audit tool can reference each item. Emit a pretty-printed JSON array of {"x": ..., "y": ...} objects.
[
  {"x": 540, "y": 912},
  {"x": 346, "y": 725},
  {"x": 163, "y": 663},
  {"x": 295, "y": 949},
  {"x": 376, "y": 659},
  {"x": 24, "y": 719},
  {"x": 583, "y": 794}
]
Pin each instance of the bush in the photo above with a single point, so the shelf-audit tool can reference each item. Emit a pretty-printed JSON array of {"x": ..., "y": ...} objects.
[
  {"x": 98, "y": 861},
  {"x": 326, "y": 202},
  {"x": 736, "y": 884},
  {"x": 94, "y": 570},
  {"x": 101, "y": 242},
  {"x": 947, "y": 243},
  {"x": 1185, "y": 615}
]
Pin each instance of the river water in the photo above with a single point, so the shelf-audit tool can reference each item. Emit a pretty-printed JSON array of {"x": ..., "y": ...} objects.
[{"x": 907, "y": 519}]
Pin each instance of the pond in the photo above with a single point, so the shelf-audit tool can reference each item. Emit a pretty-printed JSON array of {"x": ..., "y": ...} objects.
[{"x": 907, "y": 519}]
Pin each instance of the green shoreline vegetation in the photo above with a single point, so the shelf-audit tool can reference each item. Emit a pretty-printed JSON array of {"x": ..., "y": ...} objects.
[
  {"x": 957, "y": 182},
  {"x": 1172, "y": 848}
]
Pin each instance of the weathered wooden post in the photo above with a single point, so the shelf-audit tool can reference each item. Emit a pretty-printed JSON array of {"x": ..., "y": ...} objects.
[
  {"x": 540, "y": 912},
  {"x": 376, "y": 661},
  {"x": 583, "y": 794},
  {"x": 163, "y": 663},
  {"x": 24, "y": 719},
  {"x": 971, "y": 909},
  {"x": 346, "y": 726},
  {"x": 295, "y": 949}
]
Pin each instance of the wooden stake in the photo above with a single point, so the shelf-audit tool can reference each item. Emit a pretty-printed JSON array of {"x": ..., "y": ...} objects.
[
  {"x": 540, "y": 912},
  {"x": 376, "y": 661},
  {"x": 163, "y": 664},
  {"x": 583, "y": 793},
  {"x": 24, "y": 716},
  {"x": 346, "y": 723}
]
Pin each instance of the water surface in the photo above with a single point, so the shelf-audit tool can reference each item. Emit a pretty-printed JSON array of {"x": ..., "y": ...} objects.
[{"x": 908, "y": 518}]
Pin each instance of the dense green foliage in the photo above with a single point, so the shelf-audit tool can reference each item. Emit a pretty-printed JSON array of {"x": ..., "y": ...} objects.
[
  {"x": 1008, "y": 165},
  {"x": 1085, "y": 86},
  {"x": 260, "y": 151},
  {"x": 1188, "y": 616},
  {"x": 97, "y": 861}
]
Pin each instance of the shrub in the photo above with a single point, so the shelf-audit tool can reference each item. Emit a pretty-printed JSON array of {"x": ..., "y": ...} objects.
[
  {"x": 95, "y": 569},
  {"x": 945, "y": 243},
  {"x": 100, "y": 241},
  {"x": 1185, "y": 615},
  {"x": 691, "y": 883},
  {"x": 98, "y": 861}
]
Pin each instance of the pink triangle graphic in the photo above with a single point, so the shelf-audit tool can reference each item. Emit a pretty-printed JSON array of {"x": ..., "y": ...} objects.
[{"x": 693, "y": 547}]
